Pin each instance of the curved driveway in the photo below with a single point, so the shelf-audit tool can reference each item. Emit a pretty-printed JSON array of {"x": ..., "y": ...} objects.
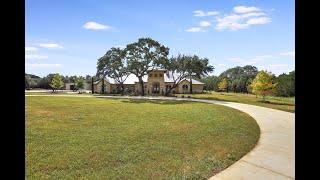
[{"x": 274, "y": 155}]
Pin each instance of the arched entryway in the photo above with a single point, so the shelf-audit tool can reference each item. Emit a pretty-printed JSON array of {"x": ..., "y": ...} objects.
[
  {"x": 185, "y": 88},
  {"x": 155, "y": 88}
]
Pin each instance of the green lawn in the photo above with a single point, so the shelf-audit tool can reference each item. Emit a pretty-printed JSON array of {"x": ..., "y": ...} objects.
[
  {"x": 281, "y": 103},
  {"x": 99, "y": 138}
]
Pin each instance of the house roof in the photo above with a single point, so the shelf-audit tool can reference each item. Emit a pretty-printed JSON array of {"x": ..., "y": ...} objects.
[
  {"x": 131, "y": 79},
  {"x": 194, "y": 81},
  {"x": 169, "y": 78}
]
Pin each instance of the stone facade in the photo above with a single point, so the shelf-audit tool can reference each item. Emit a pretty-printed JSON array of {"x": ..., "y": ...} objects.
[{"x": 156, "y": 84}]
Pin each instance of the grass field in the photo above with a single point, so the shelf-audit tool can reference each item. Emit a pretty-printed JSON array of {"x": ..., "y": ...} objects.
[
  {"x": 281, "y": 103},
  {"x": 98, "y": 138}
]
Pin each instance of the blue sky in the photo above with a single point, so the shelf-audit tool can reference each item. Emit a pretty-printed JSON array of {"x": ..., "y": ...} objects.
[{"x": 68, "y": 37}]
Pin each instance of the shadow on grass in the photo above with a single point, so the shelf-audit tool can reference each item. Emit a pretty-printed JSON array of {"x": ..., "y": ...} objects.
[
  {"x": 153, "y": 101},
  {"x": 161, "y": 102},
  {"x": 214, "y": 98}
]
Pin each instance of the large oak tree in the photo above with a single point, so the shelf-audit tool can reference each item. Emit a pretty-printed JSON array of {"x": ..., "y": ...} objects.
[
  {"x": 143, "y": 56},
  {"x": 239, "y": 77},
  {"x": 113, "y": 64},
  {"x": 182, "y": 67}
]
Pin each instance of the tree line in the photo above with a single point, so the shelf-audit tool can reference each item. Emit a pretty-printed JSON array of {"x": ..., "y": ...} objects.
[
  {"x": 55, "y": 81},
  {"x": 240, "y": 79}
]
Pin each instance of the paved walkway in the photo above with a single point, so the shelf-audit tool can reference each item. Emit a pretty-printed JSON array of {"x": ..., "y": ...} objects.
[{"x": 274, "y": 155}]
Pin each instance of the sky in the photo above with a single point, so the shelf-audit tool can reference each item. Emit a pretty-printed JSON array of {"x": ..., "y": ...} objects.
[{"x": 68, "y": 37}]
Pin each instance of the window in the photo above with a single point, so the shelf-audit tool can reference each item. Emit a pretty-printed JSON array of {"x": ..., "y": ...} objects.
[
  {"x": 185, "y": 86},
  {"x": 155, "y": 75},
  {"x": 168, "y": 87},
  {"x": 160, "y": 75},
  {"x": 150, "y": 75}
]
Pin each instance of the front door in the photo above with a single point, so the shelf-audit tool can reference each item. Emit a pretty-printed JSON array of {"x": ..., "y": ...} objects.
[{"x": 156, "y": 88}]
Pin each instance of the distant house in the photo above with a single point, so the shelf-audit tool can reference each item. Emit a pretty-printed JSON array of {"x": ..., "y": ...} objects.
[
  {"x": 69, "y": 86},
  {"x": 72, "y": 86},
  {"x": 156, "y": 82}
]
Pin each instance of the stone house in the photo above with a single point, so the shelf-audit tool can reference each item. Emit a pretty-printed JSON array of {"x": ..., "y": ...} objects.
[{"x": 155, "y": 83}]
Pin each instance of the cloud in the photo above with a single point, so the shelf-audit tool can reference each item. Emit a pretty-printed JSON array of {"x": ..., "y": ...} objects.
[
  {"x": 202, "y": 24},
  {"x": 261, "y": 58},
  {"x": 200, "y": 13},
  {"x": 245, "y": 9},
  {"x": 249, "y": 61},
  {"x": 205, "y": 24},
  {"x": 37, "y": 65},
  {"x": 278, "y": 65},
  {"x": 50, "y": 46},
  {"x": 95, "y": 26},
  {"x": 242, "y": 18},
  {"x": 254, "y": 14},
  {"x": 195, "y": 29},
  {"x": 35, "y": 56},
  {"x": 231, "y": 22},
  {"x": 29, "y": 49},
  {"x": 289, "y": 53},
  {"x": 260, "y": 20}
]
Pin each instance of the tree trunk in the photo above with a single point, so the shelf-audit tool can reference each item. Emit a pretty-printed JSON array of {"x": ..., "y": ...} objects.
[
  {"x": 190, "y": 86},
  {"x": 245, "y": 89},
  {"x": 92, "y": 87},
  {"x": 170, "y": 89},
  {"x": 102, "y": 85},
  {"x": 122, "y": 88},
  {"x": 141, "y": 85}
]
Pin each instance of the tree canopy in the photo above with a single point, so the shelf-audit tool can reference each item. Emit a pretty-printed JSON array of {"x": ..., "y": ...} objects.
[
  {"x": 262, "y": 84},
  {"x": 143, "y": 56},
  {"x": 211, "y": 83},
  {"x": 113, "y": 64},
  {"x": 80, "y": 83},
  {"x": 223, "y": 85},
  {"x": 240, "y": 77},
  {"x": 285, "y": 84},
  {"x": 29, "y": 81},
  {"x": 182, "y": 66},
  {"x": 56, "y": 82}
]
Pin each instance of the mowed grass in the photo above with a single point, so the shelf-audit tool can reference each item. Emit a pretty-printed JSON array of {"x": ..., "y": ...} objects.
[
  {"x": 280, "y": 103},
  {"x": 99, "y": 138}
]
